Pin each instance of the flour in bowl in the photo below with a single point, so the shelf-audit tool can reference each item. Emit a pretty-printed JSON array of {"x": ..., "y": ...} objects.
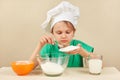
[{"x": 51, "y": 68}]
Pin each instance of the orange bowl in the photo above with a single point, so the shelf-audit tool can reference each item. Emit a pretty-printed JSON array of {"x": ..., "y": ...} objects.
[{"x": 22, "y": 67}]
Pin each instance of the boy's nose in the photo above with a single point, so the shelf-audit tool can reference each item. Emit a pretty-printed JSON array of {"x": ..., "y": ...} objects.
[{"x": 63, "y": 35}]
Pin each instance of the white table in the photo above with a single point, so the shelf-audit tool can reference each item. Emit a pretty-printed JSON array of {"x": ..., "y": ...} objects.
[{"x": 108, "y": 73}]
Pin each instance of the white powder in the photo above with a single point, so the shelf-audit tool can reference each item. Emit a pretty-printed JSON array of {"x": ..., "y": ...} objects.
[
  {"x": 52, "y": 68},
  {"x": 23, "y": 62},
  {"x": 68, "y": 48}
]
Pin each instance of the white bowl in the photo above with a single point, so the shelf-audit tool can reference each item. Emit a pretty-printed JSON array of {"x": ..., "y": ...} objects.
[{"x": 68, "y": 48}]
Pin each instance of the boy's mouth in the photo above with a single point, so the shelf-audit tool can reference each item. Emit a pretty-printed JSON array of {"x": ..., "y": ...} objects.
[{"x": 64, "y": 41}]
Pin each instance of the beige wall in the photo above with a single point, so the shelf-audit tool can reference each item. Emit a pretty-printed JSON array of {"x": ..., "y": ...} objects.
[{"x": 20, "y": 27}]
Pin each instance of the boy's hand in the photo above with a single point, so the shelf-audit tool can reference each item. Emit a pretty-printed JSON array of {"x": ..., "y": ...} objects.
[{"x": 47, "y": 38}]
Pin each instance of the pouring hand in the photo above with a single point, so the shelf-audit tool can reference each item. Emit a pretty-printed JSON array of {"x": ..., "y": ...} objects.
[{"x": 47, "y": 38}]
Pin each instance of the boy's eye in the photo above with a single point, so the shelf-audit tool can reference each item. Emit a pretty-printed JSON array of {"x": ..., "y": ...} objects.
[
  {"x": 67, "y": 32},
  {"x": 59, "y": 32}
]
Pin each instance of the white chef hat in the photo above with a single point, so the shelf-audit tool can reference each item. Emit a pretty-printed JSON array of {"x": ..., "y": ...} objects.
[{"x": 63, "y": 12}]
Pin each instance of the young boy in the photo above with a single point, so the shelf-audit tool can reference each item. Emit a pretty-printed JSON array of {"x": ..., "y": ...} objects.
[{"x": 61, "y": 23}]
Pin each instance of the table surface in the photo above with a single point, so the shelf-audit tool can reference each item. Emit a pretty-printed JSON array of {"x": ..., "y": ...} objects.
[{"x": 108, "y": 73}]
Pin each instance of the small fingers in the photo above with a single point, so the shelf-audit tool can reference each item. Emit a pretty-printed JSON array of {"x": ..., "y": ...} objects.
[{"x": 46, "y": 39}]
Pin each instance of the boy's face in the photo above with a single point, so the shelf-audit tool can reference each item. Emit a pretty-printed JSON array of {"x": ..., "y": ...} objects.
[{"x": 63, "y": 33}]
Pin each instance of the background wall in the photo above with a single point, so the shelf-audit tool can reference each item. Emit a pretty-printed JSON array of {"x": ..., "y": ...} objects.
[{"x": 20, "y": 30}]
